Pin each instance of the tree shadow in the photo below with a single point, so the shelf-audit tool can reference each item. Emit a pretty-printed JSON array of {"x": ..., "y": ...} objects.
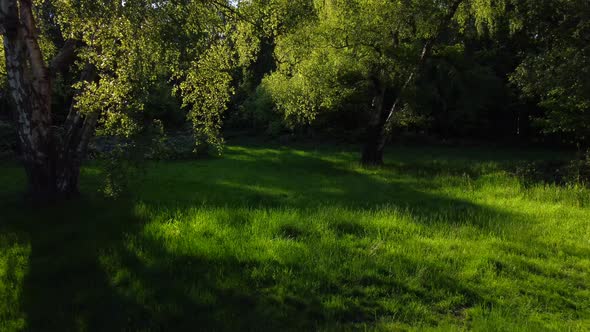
[
  {"x": 184, "y": 292},
  {"x": 92, "y": 264},
  {"x": 64, "y": 286},
  {"x": 267, "y": 178}
]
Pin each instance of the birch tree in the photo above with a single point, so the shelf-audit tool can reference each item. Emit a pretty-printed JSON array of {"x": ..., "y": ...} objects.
[{"x": 115, "y": 48}]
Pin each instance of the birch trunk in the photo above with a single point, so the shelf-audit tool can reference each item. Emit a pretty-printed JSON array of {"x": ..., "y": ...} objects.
[{"x": 51, "y": 162}]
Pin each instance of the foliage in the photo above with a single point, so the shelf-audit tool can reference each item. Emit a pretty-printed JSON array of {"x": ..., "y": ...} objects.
[
  {"x": 138, "y": 48},
  {"x": 4, "y": 97},
  {"x": 355, "y": 48},
  {"x": 207, "y": 88},
  {"x": 321, "y": 60},
  {"x": 164, "y": 105},
  {"x": 254, "y": 37},
  {"x": 456, "y": 92},
  {"x": 2, "y": 67},
  {"x": 124, "y": 162},
  {"x": 555, "y": 71}
]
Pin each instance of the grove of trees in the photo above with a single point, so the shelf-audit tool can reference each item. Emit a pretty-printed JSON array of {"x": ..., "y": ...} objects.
[{"x": 367, "y": 69}]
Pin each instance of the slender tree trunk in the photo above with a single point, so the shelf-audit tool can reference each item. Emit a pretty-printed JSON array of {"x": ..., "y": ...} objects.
[
  {"x": 372, "y": 154},
  {"x": 377, "y": 135},
  {"x": 72, "y": 149},
  {"x": 51, "y": 163}
]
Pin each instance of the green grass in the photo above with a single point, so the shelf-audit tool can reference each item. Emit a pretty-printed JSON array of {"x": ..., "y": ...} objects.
[{"x": 295, "y": 239}]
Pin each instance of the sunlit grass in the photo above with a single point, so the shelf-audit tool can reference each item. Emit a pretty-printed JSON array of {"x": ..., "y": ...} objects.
[{"x": 288, "y": 239}]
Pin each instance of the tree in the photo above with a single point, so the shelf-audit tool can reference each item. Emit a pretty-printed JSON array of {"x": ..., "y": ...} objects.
[
  {"x": 556, "y": 69},
  {"x": 116, "y": 49},
  {"x": 254, "y": 33},
  {"x": 370, "y": 48}
]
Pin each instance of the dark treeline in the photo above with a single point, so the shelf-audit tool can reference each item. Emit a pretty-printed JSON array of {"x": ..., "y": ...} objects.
[{"x": 366, "y": 72}]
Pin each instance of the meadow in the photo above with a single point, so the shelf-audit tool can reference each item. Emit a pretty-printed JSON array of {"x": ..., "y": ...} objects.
[{"x": 302, "y": 239}]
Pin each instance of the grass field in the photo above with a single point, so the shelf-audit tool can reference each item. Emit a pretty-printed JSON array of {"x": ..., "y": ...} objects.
[{"x": 298, "y": 239}]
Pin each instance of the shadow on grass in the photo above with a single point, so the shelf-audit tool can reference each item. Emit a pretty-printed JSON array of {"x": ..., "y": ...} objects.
[
  {"x": 265, "y": 178},
  {"x": 92, "y": 266},
  {"x": 65, "y": 288},
  {"x": 182, "y": 292}
]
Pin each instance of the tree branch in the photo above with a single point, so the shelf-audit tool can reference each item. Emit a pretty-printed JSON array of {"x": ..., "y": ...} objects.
[
  {"x": 31, "y": 36},
  {"x": 9, "y": 21},
  {"x": 3, "y": 14},
  {"x": 65, "y": 58},
  {"x": 426, "y": 49}
]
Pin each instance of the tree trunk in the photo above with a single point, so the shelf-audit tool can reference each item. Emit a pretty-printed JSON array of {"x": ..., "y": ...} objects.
[
  {"x": 29, "y": 83},
  {"x": 52, "y": 167},
  {"x": 372, "y": 154}
]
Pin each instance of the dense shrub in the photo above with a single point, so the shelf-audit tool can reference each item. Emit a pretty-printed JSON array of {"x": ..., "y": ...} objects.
[
  {"x": 558, "y": 172},
  {"x": 258, "y": 113}
]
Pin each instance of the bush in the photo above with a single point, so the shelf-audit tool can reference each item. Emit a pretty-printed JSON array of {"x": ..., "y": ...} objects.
[
  {"x": 542, "y": 171},
  {"x": 258, "y": 112},
  {"x": 558, "y": 172},
  {"x": 579, "y": 169}
]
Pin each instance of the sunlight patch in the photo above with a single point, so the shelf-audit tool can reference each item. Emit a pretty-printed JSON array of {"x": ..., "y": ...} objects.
[{"x": 14, "y": 263}]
